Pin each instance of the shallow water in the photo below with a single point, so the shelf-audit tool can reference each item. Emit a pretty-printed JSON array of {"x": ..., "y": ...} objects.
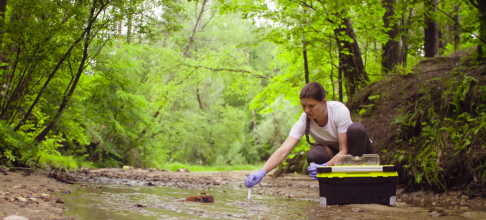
[
  {"x": 115, "y": 201},
  {"x": 120, "y": 202}
]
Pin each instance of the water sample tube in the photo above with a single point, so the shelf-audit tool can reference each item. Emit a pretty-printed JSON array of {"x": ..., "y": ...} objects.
[{"x": 249, "y": 194}]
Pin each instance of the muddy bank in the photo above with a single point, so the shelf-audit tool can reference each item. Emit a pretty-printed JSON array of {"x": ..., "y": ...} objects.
[
  {"x": 30, "y": 196},
  {"x": 295, "y": 186}
]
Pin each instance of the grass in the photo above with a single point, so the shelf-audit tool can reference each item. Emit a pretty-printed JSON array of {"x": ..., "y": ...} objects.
[{"x": 203, "y": 168}]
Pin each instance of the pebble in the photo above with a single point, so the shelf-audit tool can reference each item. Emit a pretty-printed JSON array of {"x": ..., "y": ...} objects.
[
  {"x": 21, "y": 199},
  {"x": 45, "y": 195}
]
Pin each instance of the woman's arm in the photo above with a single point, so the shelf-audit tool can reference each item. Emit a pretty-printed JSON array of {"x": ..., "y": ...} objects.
[
  {"x": 343, "y": 147},
  {"x": 280, "y": 154}
]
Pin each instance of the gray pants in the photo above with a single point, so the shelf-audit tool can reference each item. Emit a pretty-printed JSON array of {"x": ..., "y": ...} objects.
[{"x": 358, "y": 144}]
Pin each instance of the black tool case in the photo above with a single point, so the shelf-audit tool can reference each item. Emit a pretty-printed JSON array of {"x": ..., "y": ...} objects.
[{"x": 342, "y": 185}]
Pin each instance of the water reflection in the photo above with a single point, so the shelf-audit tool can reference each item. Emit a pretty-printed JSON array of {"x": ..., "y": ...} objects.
[{"x": 121, "y": 202}]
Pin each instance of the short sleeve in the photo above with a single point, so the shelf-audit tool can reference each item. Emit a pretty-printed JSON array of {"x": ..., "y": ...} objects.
[
  {"x": 343, "y": 119},
  {"x": 298, "y": 129}
]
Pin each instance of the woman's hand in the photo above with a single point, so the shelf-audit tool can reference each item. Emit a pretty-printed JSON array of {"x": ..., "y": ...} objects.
[
  {"x": 255, "y": 178},
  {"x": 313, "y": 170}
]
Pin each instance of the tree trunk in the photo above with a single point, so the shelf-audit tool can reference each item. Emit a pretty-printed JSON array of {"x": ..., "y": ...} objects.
[
  {"x": 481, "y": 6},
  {"x": 431, "y": 32},
  {"x": 199, "y": 97},
  {"x": 340, "y": 69},
  {"x": 194, "y": 30},
  {"x": 253, "y": 114},
  {"x": 306, "y": 64},
  {"x": 130, "y": 21},
  {"x": 3, "y": 9},
  {"x": 92, "y": 18},
  {"x": 455, "y": 29},
  {"x": 129, "y": 28},
  {"x": 391, "y": 48},
  {"x": 340, "y": 83},
  {"x": 120, "y": 33},
  {"x": 332, "y": 70},
  {"x": 351, "y": 64},
  {"x": 404, "y": 34},
  {"x": 46, "y": 83},
  {"x": 164, "y": 44},
  {"x": 278, "y": 133}
]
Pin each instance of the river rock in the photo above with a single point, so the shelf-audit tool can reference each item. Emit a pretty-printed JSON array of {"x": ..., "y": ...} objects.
[
  {"x": 185, "y": 170},
  {"x": 21, "y": 199},
  {"x": 15, "y": 217},
  {"x": 204, "y": 199}
]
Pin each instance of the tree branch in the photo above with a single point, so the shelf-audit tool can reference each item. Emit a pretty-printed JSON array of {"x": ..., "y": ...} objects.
[
  {"x": 228, "y": 70},
  {"x": 304, "y": 4},
  {"x": 473, "y": 3},
  {"x": 459, "y": 25}
]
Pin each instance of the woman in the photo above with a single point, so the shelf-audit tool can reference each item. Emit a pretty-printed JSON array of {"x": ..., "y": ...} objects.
[{"x": 329, "y": 123}]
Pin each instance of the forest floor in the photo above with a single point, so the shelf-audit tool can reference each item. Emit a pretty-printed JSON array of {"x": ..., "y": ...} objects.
[{"x": 39, "y": 203}]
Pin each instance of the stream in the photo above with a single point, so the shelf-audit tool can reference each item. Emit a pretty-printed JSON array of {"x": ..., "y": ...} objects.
[
  {"x": 107, "y": 201},
  {"x": 121, "y": 201}
]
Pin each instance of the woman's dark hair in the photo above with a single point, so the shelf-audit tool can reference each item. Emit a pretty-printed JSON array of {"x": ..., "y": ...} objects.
[{"x": 312, "y": 90}]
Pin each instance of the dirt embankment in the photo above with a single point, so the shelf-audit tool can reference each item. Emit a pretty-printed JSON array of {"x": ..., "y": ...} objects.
[{"x": 430, "y": 123}]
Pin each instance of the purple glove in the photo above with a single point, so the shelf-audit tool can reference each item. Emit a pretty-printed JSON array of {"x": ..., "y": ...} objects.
[
  {"x": 255, "y": 178},
  {"x": 313, "y": 170}
]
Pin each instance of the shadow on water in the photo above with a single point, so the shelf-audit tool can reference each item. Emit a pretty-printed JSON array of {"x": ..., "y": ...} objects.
[{"x": 100, "y": 201}]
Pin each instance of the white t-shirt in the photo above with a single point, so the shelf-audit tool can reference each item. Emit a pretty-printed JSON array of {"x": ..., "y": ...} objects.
[{"x": 338, "y": 122}]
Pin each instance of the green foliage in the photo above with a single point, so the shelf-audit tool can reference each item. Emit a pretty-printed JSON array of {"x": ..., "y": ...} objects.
[
  {"x": 10, "y": 143},
  {"x": 61, "y": 162},
  {"x": 164, "y": 92}
]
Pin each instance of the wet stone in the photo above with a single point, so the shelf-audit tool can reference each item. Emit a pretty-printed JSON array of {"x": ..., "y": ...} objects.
[{"x": 203, "y": 199}]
